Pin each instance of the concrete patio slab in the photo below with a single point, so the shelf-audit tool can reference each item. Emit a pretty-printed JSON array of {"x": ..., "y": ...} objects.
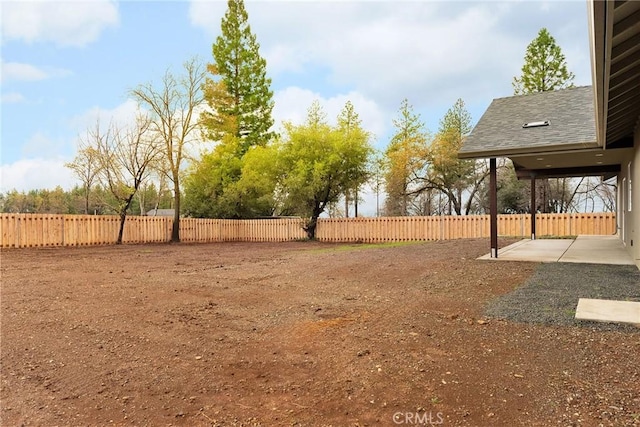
[
  {"x": 584, "y": 249},
  {"x": 598, "y": 250},
  {"x": 543, "y": 250},
  {"x": 608, "y": 311}
]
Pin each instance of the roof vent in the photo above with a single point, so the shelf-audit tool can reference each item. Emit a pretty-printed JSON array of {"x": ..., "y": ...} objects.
[{"x": 536, "y": 124}]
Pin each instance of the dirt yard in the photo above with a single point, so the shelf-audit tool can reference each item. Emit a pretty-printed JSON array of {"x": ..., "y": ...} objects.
[{"x": 294, "y": 334}]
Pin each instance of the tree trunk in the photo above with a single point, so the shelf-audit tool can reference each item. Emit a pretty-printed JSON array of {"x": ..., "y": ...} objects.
[
  {"x": 86, "y": 200},
  {"x": 175, "y": 230},
  {"x": 123, "y": 217},
  {"x": 346, "y": 204},
  {"x": 355, "y": 205},
  {"x": 458, "y": 203},
  {"x": 313, "y": 223},
  {"x": 311, "y": 228}
]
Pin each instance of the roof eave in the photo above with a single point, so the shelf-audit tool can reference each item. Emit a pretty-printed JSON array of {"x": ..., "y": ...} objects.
[
  {"x": 528, "y": 151},
  {"x": 600, "y": 15}
]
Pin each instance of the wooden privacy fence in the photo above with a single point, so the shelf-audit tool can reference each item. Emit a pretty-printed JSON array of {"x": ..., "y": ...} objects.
[
  {"x": 202, "y": 230},
  {"x": 398, "y": 229},
  {"x": 33, "y": 230}
]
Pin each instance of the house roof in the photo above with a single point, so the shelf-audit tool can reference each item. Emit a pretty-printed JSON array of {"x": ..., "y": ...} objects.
[
  {"x": 615, "y": 58},
  {"x": 568, "y": 146},
  {"x": 161, "y": 212},
  {"x": 501, "y": 131}
]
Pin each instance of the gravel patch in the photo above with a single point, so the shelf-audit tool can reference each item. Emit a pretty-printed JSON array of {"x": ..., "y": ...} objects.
[{"x": 551, "y": 295}]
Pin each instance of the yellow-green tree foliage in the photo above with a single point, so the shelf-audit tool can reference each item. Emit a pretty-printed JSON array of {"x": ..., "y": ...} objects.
[{"x": 405, "y": 160}]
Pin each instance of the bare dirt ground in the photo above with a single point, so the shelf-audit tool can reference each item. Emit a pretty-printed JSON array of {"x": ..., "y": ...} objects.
[{"x": 294, "y": 334}]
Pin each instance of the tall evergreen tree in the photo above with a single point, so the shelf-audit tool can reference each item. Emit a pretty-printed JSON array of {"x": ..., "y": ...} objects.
[
  {"x": 238, "y": 90},
  {"x": 545, "y": 67},
  {"x": 405, "y": 158},
  {"x": 448, "y": 174},
  {"x": 351, "y": 131}
]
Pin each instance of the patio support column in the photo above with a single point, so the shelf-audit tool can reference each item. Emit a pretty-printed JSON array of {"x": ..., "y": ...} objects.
[
  {"x": 533, "y": 206},
  {"x": 493, "y": 207}
]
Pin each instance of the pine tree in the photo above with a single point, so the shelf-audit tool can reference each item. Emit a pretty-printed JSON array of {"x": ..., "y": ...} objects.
[
  {"x": 448, "y": 174},
  {"x": 405, "y": 158},
  {"x": 545, "y": 67},
  {"x": 238, "y": 91},
  {"x": 350, "y": 129}
]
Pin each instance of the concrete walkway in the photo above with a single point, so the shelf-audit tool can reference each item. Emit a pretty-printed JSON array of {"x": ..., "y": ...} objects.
[
  {"x": 601, "y": 310},
  {"x": 584, "y": 249}
]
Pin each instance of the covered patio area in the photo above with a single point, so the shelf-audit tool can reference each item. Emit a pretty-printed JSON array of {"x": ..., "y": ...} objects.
[{"x": 577, "y": 131}]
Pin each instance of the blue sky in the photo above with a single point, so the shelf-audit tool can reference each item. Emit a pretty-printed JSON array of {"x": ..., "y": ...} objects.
[{"x": 66, "y": 63}]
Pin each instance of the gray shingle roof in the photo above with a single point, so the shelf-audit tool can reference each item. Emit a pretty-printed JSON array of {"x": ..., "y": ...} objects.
[
  {"x": 499, "y": 132},
  {"x": 161, "y": 212}
]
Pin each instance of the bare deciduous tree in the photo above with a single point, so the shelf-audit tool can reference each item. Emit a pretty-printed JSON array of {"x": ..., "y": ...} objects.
[
  {"x": 85, "y": 166},
  {"x": 174, "y": 118},
  {"x": 125, "y": 156}
]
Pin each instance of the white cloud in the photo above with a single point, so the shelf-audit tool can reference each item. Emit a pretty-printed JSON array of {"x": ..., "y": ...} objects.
[
  {"x": 13, "y": 98},
  {"x": 22, "y": 72},
  {"x": 292, "y": 103},
  {"x": 121, "y": 115},
  {"x": 71, "y": 23},
  {"x": 39, "y": 173},
  {"x": 42, "y": 145},
  {"x": 18, "y": 71},
  {"x": 430, "y": 52},
  {"x": 207, "y": 14}
]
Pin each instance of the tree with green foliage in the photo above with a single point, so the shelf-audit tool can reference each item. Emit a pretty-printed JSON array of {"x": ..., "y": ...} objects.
[
  {"x": 238, "y": 118},
  {"x": 455, "y": 178},
  {"x": 207, "y": 180},
  {"x": 405, "y": 160},
  {"x": 312, "y": 166},
  {"x": 59, "y": 201},
  {"x": 545, "y": 67},
  {"x": 213, "y": 187},
  {"x": 513, "y": 194},
  {"x": 377, "y": 173},
  {"x": 238, "y": 92},
  {"x": 350, "y": 129}
]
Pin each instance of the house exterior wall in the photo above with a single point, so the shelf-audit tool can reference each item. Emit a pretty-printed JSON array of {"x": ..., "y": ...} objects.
[
  {"x": 635, "y": 187},
  {"x": 629, "y": 200}
]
